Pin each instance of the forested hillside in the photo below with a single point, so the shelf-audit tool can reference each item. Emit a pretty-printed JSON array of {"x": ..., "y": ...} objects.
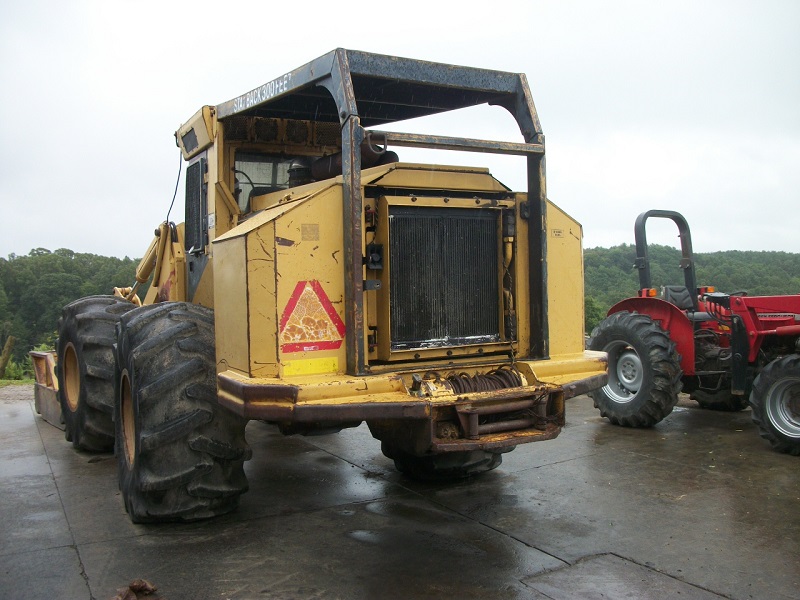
[
  {"x": 34, "y": 288},
  {"x": 610, "y": 275}
]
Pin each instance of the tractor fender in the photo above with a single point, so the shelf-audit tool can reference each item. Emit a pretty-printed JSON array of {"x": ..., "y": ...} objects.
[{"x": 671, "y": 319}]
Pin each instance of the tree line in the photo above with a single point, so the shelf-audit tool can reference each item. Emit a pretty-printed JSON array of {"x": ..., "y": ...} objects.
[
  {"x": 610, "y": 276},
  {"x": 34, "y": 288}
]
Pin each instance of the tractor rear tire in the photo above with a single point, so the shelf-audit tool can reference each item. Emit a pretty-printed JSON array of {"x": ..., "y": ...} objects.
[
  {"x": 86, "y": 369},
  {"x": 775, "y": 401},
  {"x": 644, "y": 373},
  {"x": 180, "y": 454},
  {"x": 722, "y": 400},
  {"x": 447, "y": 466}
]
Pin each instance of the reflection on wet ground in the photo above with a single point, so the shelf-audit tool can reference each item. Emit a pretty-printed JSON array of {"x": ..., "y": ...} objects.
[{"x": 696, "y": 507}]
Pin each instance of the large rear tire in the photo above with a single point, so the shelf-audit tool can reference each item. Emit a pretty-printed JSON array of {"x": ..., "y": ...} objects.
[
  {"x": 180, "y": 454},
  {"x": 644, "y": 373},
  {"x": 85, "y": 370},
  {"x": 775, "y": 401},
  {"x": 442, "y": 467}
]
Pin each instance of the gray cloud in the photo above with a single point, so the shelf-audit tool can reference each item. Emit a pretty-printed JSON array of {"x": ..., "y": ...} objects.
[{"x": 687, "y": 105}]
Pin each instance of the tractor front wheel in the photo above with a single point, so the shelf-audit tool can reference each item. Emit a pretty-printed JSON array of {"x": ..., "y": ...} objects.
[
  {"x": 180, "y": 455},
  {"x": 775, "y": 401},
  {"x": 644, "y": 373},
  {"x": 85, "y": 370}
]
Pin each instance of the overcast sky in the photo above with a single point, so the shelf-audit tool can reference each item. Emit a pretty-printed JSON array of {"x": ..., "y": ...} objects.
[{"x": 690, "y": 106}]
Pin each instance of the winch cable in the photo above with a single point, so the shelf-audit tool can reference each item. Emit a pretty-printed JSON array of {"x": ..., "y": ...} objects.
[
  {"x": 498, "y": 379},
  {"x": 177, "y": 183}
]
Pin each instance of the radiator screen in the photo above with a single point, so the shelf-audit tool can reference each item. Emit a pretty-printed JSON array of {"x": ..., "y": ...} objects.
[{"x": 443, "y": 277}]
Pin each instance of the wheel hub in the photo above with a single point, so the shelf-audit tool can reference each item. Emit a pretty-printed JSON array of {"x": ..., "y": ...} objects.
[
  {"x": 629, "y": 370},
  {"x": 72, "y": 377},
  {"x": 624, "y": 372},
  {"x": 783, "y": 406},
  {"x": 128, "y": 419}
]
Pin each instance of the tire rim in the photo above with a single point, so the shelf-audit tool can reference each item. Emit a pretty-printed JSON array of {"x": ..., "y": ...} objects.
[
  {"x": 128, "y": 420},
  {"x": 783, "y": 406},
  {"x": 72, "y": 377},
  {"x": 624, "y": 372}
]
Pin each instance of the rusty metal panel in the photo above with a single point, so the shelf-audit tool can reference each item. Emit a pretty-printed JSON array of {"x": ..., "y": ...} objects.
[
  {"x": 386, "y": 89},
  {"x": 45, "y": 391},
  {"x": 47, "y": 404},
  {"x": 441, "y": 142}
]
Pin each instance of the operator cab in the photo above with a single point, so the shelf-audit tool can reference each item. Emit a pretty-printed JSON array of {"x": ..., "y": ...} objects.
[{"x": 259, "y": 173}]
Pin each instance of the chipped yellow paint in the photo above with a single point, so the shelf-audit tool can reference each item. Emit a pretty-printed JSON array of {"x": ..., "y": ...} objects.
[{"x": 301, "y": 260}]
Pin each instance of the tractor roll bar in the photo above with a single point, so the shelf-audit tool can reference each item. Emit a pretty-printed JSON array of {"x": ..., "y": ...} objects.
[{"x": 687, "y": 257}]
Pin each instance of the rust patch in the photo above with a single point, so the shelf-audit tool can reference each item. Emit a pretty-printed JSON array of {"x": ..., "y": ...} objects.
[{"x": 166, "y": 288}]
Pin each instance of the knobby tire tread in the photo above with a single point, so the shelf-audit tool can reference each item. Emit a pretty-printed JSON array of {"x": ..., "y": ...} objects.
[
  {"x": 661, "y": 383},
  {"x": 89, "y": 324},
  {"x": 190, "y": 452},
  {"x": 770, "y": 374}
]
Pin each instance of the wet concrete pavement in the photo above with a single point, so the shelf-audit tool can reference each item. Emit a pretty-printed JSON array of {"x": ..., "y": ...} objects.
[{"x": 697, "y": 507}]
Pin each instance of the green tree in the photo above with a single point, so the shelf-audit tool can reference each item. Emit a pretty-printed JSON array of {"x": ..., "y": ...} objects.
[
  {"x": 34, "y": 289},
  {"x": 593, "y": 314},
  {"x": 611, "y": 277}
]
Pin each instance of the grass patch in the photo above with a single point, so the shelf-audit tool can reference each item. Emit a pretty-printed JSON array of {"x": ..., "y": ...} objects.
[{"x": 7, "y": 382}]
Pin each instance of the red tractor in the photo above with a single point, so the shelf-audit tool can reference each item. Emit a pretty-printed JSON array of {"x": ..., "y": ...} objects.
[{"x": 725, "y": 350}]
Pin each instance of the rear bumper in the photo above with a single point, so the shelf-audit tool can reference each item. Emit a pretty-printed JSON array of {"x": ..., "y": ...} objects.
[{"x": 441, "y": 421}]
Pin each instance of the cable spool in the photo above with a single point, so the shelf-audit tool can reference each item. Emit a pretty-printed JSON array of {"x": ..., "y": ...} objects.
[{"x": 499, "y": 379}]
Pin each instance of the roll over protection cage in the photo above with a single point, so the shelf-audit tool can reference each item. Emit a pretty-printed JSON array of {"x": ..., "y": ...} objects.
[
  {"x": 687, "y": 256},
  {"x": 360, "y": 90}
]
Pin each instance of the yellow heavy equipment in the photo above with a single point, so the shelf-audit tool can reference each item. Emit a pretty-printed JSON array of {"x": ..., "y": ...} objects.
[{"x": 318, "y": 283}]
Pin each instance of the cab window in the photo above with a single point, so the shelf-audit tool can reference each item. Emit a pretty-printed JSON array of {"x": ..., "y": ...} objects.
[{"x": 258, "y": 174}]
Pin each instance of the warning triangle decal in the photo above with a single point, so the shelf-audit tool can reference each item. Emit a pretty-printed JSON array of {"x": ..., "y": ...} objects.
[{"x": 309, "y": 321}]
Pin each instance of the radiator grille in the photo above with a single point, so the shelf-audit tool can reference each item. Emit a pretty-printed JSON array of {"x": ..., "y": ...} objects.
[
  {"x": 195, "y": 209},
  {"x": 443, "y": 277}
]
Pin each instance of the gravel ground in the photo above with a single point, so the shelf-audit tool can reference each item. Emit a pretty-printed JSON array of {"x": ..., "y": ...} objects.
[{"x": 16, "y": 393}]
